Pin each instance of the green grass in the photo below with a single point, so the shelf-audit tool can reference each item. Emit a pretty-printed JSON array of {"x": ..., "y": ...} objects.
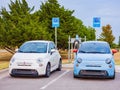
[
  {"x": 4, "y": 64},
  {"x": 5, "y": 58}
]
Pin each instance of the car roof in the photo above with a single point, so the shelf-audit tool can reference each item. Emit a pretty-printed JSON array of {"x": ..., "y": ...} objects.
[
  {"x": 95, "y": 42},
  {"x": 45, "y": 41}
]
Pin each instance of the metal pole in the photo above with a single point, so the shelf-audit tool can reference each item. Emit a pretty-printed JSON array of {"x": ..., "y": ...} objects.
[
  {"x": 69, "y": 49},
  {"x": 56, "y": 36},
  {"x": 85, "y": 38}
]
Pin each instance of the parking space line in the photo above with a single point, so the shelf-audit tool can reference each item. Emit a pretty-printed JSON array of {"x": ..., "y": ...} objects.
[{"x": 51, "y": 82}]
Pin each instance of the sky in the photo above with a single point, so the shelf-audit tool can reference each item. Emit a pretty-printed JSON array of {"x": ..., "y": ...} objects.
[{"x": 86, "y": 10}]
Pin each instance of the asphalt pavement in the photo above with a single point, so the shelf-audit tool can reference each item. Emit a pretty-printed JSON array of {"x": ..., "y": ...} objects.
[{"x": 59, "y": 80}]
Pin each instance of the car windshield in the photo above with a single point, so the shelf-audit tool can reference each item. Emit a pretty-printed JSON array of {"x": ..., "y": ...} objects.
[
  {"x": 94, "y": 48},
  {"x": 33, "y": 47}
]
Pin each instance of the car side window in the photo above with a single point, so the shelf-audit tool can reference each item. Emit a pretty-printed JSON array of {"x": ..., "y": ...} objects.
[{"x": 51, "y": 46}]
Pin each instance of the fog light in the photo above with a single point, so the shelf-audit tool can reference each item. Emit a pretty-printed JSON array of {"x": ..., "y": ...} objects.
[
  {"x": 77, "y": 65},
  {"x": 110, "y": 66},
  {"x": 79, "y": 60},
  {"x": 40, "y": 65}
]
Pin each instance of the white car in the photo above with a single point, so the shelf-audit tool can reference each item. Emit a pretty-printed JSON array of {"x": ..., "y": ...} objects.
[{"x": 35, "y": 58}]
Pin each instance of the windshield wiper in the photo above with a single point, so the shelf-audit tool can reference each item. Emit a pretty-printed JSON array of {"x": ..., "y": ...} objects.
[
  {"x": 96, "y": 52},
  {"x": 20, "y": 51},
  {"x": 31, "y": 52},
  {"x": 82, "y": 51}
]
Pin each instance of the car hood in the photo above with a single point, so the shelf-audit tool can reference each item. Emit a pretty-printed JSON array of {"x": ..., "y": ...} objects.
[
  {"x": 93, "y": 57},
  {"x": 29, "y": 56}
]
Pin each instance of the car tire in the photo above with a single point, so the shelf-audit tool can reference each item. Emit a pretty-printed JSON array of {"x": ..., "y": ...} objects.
[
  {"x": 75, "y": 76},
  {"x": 48, "y": 71},
  {"x": 60, "y": 65},
  {"x": 113, "y": 77}
]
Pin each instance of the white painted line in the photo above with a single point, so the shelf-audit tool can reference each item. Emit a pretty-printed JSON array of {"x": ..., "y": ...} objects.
[{"x": 55, "y": 80}]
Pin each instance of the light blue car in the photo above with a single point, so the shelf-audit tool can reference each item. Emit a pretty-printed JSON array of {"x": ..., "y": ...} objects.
[{"x": 94, "y": 59}]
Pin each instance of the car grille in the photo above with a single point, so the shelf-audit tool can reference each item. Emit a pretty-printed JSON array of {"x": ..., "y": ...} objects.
[
  {"x": 24, "y": 72},
  {"x": 93, "y": 73},
  {"x": 93, "y": 65},
  {"x": 24, "y": 64}
]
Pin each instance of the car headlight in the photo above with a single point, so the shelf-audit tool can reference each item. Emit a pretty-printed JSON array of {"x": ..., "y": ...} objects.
[
  {"x": 39, "y": 61},
  {"x": 12, "y": 61},
  {"x": 79, "y": 60},
  {"x": 108, "y": 61}
]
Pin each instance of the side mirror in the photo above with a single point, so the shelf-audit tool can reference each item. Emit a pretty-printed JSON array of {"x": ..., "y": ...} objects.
[
  {"x": 75, "y": 50},
  {"x": 52, "y": 51},
  {"x": 114, "y": 51}
]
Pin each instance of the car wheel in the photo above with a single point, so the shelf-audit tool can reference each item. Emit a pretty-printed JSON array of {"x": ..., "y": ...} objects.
[
  {"x": 60, "y": 65},
  {"x": 75, "y": 76},
  {"x": 47, "y": 74},
  {"x": 113, "y": 77}
]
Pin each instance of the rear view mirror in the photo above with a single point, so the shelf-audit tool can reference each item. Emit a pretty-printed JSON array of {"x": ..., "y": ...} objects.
[
  {"x": 52, "y": 51},
  {"x": 114, "y": 51},
  {"x": 75, "y": 50}
]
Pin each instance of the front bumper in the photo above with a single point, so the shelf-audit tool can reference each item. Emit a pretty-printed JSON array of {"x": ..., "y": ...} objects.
[
  {"x": 27, "y": 71},
  {"x": 93, "y": 73},
  {"x": 101, "y": 72},
  {"x": 24, "y": 72}
]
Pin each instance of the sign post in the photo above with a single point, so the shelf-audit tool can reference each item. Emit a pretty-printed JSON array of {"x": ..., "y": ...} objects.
[
  {"x": 55, "y": 24},
  {"x": 56, "y": 36},
  {"x": 96, "y": 23},
  {"x": 69, "y": 53}
]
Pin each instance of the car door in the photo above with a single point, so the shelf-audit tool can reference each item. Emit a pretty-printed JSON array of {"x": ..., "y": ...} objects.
[
  {"x": 52, "y": 56},
  {"x": 56, "y": 54}
]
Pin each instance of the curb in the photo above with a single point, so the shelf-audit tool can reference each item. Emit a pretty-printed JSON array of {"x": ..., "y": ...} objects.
[{"x": 3, "y": 70}]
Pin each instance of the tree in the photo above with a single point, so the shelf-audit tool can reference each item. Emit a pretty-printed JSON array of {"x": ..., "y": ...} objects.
[
  {"x": 69, "y": 25},
  {"x": 119, "y": 42},
  {"x": 20, "y": 24},
  {"x": 107, "y": 35},
  {"x": 2, "y": 32}
]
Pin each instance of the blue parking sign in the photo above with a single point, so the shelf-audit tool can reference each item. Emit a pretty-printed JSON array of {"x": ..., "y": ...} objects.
[
  {"x": 55, "y": 22},
  {"x": 96, "y": 22}
]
